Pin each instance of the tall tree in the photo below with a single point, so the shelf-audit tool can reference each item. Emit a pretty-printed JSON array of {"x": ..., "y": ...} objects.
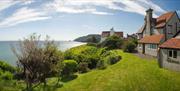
[{"x": 38, "y": 59}]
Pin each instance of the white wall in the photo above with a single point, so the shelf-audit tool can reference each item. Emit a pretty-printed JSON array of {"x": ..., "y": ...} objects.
[
  {"x": 167, "y": 64},
  {"x": 150, "y": 51}
]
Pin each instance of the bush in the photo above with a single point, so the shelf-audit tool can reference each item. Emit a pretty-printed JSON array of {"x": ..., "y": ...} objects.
[
  {"x": 68, "y": 55},
  {"x": 6, "y": 75},
  {"x": 70, "y": 66},
  {"x": 111, "y": 57},
  {"x": 129, "y": 47},
  {"x": 101, "y": 64},
  {"x": 6, "y": 67},
  {"x": 83, "y": 67},
  {"x": 112, "y": 42}
]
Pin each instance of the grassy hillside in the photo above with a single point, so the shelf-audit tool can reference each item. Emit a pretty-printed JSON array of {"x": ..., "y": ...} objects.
[{"x": 130, "y": 74}]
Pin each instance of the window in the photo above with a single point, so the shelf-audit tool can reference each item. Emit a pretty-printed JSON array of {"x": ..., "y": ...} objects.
[
  {"x": 174, "y": 54},
  {"x": 152, "y": 46},
  {"x": 170, "y": 53}
]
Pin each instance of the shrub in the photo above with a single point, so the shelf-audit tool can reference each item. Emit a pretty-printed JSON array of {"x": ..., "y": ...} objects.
[
  {"x": 68, "y": 55},
  {"x": 129, "y": 47},
  {"x": 101, "y": 64},
  {"x": 70, "y": 66},
  {"x": 111, "y": 57},
  {"x": 6, "y": 75},
  {"x": 6, "y": 67},
  {"x": 83, "y": 67},
  {"x": 91, "y": 57},
  {"x": 112, "y": 42}
]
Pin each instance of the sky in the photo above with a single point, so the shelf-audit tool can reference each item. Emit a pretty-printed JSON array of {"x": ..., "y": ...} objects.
[{"x": 69, "y": 19}]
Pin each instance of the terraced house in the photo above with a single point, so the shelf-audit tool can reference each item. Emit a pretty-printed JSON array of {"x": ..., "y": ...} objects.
[{"x": 156, "y": 31}]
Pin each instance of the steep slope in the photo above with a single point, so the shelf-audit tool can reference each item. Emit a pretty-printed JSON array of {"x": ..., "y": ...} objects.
[{"x": 130, "y": 74}]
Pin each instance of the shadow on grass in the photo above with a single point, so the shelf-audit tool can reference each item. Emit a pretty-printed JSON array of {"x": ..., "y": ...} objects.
[{"x": 68, "y": 78}]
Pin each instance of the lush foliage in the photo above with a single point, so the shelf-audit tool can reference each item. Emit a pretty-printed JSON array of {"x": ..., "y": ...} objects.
[
  {"x": 91, "y": 57},
  {"x": 112, "y": 42},
  {"x": 129, "y": 46},
  {"x": 6, "y": 67},
  {"x": 111, "y": 57},
  {"x": 38, "y": 60},
  {"x": 69, "y": 67},
  {"x": 6, "y": 75},
  {"x": 131, "y": 74},
  {"x": 127, "y": 75}
]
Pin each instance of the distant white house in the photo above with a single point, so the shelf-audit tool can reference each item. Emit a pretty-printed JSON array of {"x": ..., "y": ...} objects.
[{"x": 106, "y": 34}]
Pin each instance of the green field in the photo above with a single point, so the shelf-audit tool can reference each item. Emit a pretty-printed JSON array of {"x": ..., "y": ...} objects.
[{"x": 130, "y": 74}]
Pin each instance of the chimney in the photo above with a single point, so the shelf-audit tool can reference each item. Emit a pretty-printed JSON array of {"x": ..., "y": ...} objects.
[{"x": 149, "y": 21}]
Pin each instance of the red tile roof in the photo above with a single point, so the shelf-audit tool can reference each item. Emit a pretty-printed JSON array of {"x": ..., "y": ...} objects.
[
  {"x": 171, "y": 43},
  {"x": 119, "y": 34},
  {"x": 153, "y": 39},
  {"x": 107, "y": 33},
  {"x": 161, "y": 20}
]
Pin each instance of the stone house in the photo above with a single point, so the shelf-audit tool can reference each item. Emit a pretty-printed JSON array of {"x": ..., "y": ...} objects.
[
  {"x": 106, "y": 34},
  {"x": 169, "y": 53},
  {"x": 155, "y": 31}
]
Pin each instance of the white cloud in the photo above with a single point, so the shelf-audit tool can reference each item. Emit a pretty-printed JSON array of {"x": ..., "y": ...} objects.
[
  {"x": 7, "y": 3},
  {"x": 26, "y": 2},
  {"x": 98, "y": 7},
  {"x": 76, "y": 6},
  {"x": 23, "y": 15},
  {"x": 89, "y": 6}
]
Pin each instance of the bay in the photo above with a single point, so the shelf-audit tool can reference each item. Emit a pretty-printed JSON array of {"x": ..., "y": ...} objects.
[{"x": 7, "y": 55}]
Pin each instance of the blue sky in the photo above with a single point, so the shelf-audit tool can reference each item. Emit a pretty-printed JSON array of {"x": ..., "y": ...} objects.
[{"x": 69, "y": 19}]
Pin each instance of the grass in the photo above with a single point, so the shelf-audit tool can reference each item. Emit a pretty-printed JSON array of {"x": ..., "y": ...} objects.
[{"x": 130, "y": 74}]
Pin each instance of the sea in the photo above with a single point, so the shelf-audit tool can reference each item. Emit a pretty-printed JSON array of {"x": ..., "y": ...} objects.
[{"x": 7, "y": 55}]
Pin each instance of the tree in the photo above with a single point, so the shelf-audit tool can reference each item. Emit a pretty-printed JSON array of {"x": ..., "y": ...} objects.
[
  {"x": 112, "y": 42},
  {"x": 129, "y": 46},
  {"x": 92, "y": 39},
  {"x": 38, "y": 59}
]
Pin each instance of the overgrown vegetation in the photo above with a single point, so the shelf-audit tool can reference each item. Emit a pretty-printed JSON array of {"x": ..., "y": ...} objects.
[
  {"x": 91, "y": 57},
  {"x": 112, "y": 42},
  {"x": 132, "y": 73},
  {"x": 38, "y": 60}
]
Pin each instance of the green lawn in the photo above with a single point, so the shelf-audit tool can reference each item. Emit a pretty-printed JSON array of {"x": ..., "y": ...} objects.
[{"x": 130, "y": 74}]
